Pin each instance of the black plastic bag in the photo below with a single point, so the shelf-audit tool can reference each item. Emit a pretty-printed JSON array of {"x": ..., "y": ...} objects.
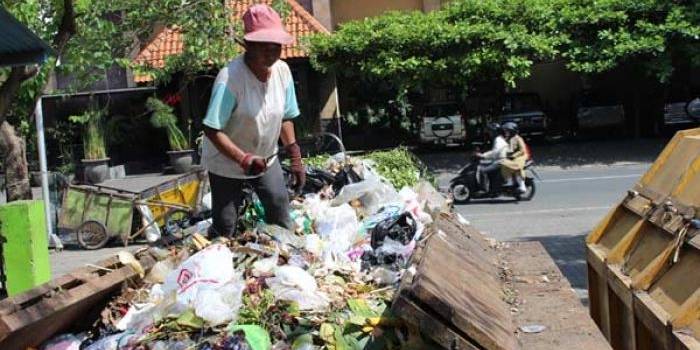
[{"x": 401, "y": 229}]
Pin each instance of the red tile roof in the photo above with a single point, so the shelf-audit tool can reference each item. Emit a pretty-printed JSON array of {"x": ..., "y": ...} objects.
[{"x": 298, "y": 22}]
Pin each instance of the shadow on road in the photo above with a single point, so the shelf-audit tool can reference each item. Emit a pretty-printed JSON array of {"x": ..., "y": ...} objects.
[{"x": 569, "y": 253}]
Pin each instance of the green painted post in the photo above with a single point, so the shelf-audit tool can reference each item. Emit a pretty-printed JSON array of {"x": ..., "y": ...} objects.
[{"x": 26, "y": 252}]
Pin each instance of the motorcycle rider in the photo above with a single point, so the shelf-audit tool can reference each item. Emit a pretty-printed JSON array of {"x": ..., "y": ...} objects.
[
  {"x": 496, "y": 155},
  {"x": 514, "y": 165}
]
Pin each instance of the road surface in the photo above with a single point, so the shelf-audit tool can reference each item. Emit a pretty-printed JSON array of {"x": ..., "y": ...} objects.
[{"x": 567, "y": 205}]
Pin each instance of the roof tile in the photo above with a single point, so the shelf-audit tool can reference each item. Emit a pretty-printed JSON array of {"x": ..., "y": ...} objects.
[{"x": 299, "y": 23}]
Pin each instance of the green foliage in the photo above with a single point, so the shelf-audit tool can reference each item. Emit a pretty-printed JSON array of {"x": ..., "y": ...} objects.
[
  {"x": 470, "y": 43},
  {"x": 601, "y": 34},
  {"x": 93, "y": 135},
  {"x": 208, "y": 34},
  {"x": 399, "y": 167},
  {"x": 106, "y": 33},
  {"x": 164, "y": 118}
]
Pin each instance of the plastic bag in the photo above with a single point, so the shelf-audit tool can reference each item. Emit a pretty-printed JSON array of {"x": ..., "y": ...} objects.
[
  {"x": 152, "y": 230},
  {"x": 372, "y": 193},
  {"x": 210, "y": 268},
  {"x": 138, "y": 317},
  {"x": 293, "y": 276},
  {"x": 392, "y": 247},
  {"x": 401, "y": 229},
  {"x": 292, "y": 283},
  {"x": 206, "y": 201},
  {"x": 265, "y": 267},
  {"x": 115, "y": 341},
  {"x": 383, "y": 276},
  {"x": 63, "y": 342},
  {"x": 338, "y": 224},
  {"x": 386, "y": 212},
  {"x": 219, "y": 306},
  {"x": 313, "y": 244},
  {"x": 160, "y": 271}
]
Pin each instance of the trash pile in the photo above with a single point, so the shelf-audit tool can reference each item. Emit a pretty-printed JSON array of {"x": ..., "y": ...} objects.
[{"x": 326, "y": 285}]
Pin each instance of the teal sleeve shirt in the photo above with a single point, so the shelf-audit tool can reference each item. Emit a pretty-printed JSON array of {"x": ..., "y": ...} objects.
[
  {"x": 221, "y": 105},
  {"x": 291, "y": 108},
  {"x": 223, "y": 102}
]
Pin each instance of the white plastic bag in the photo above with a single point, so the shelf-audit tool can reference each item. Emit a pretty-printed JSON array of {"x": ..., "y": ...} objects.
[
  {"x": 373, "y": 194},
  {"x": 265, "y": 267},
  {"x": 296, "y": 277},
  {"x": 138, "y": 317},
  {"x": 292, "y": 283},
  {"x": 219, "y": 306},
  {"x": 313, "y": 244},
  {"x": 210, "y": 268},
  {"x": 206, "y": 201},
  {"x": 152, "y": 231}
]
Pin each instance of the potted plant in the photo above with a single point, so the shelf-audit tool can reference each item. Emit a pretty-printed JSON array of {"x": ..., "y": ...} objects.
[
  {"x": 180, "y": 154},
  {"x": 96, "y": 162}
]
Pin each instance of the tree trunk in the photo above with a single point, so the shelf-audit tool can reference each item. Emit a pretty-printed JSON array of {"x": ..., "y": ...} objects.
[{"x": 16, "y": 171}]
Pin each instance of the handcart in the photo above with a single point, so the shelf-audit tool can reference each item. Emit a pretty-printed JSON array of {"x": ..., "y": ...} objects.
[{"x": 127, "y": 208}]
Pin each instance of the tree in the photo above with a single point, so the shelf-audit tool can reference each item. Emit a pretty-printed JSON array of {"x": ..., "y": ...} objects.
[
  {"x": 602, "y": 34},
  {"x": 89, "y": 37},
  {"x": 467, "y": 44},
  {"x": 470, "y": 44},
  {"x": 652, "y": 39}
]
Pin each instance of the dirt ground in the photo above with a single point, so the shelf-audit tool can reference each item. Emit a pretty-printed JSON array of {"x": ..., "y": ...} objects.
[{"x": 541, "y": 296}]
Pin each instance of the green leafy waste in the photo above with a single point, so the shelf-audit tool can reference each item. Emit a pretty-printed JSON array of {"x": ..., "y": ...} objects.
[{"x": 400, "y": 167}]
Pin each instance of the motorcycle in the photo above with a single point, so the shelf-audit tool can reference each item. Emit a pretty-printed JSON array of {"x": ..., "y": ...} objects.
[{"x": 465, "y": 187}]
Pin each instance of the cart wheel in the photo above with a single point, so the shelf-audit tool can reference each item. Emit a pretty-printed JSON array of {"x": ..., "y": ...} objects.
[{"x": 92, "y": 235}]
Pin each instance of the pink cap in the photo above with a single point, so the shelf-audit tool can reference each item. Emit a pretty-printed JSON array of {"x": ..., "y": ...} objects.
[{"x": 263, "y": 24}]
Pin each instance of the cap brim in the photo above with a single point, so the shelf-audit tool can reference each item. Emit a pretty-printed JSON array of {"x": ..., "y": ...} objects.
[{"x": 276, "y": 36}]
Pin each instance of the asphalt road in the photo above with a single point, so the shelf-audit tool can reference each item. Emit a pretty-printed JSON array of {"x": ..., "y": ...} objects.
[{"x": 567, "y": 205}]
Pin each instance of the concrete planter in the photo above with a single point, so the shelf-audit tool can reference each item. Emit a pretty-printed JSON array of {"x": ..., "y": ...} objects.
[
  {"x": 96, "y": 170},
  {"x": 181, "y": 161}
]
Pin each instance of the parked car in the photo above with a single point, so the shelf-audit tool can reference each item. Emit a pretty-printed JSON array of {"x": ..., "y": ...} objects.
[
  {"x": 442, "y": 124},
  {"x": 676, "y": 114},
  {"x": 596, "y": 112},
  {"x": 524, "y": 109}
]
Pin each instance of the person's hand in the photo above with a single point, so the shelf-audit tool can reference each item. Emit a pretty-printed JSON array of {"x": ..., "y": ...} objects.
[
  {"x": 297, "y": 167},
  {"x": 253, "y": 165}
]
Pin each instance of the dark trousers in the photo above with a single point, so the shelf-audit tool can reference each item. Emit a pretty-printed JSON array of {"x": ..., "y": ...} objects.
[
  {"x": 227, "y": 197},
  {"x": 485, "y": 174}
]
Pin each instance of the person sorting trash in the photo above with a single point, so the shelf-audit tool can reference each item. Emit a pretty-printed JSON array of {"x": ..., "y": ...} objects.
[{"x": 252, "y": 106}]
